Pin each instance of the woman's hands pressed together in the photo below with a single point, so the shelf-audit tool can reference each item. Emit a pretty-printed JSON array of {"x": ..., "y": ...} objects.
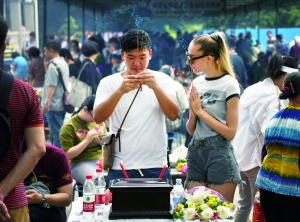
[{"x": 195, "y": 102}]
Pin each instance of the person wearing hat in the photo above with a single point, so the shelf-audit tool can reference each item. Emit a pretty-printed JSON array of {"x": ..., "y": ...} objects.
[
  {"x": 295, "y": 49},
  {"x": 88, "y": 71}
]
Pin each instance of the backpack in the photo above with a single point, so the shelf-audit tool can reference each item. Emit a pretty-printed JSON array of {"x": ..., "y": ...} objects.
[{"x": 6, "y": 81}]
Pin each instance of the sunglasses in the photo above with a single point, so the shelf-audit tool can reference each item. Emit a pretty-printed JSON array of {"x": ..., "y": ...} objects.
[{"x": 191, "y": 59}]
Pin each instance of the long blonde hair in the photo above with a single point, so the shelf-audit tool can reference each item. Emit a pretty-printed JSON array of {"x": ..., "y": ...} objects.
[{"x": 214, "y": 44}]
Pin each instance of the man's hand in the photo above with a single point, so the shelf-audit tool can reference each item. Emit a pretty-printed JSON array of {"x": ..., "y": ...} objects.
[
  {"x": 129, "y": 83},
  {"x": 46, "y": 107},
  {"x": 3, "y": 209},
  {"x": 146, "y": 78},
  {"x": 33, "y": 197}
]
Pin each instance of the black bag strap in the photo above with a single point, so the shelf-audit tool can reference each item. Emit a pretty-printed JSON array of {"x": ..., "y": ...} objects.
[
  {"x": 60, "y": 75},
  {"x": 6, "y": 81},
  {"x": 119, "y": 130}
]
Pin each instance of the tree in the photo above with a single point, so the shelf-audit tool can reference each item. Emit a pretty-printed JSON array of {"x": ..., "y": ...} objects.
[{"x": 73, "y": 27}]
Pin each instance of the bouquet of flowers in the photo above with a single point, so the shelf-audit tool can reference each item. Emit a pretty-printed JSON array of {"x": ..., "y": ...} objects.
[
  {"x": 181, "y": 165},
  {"x": 204, "y": 204}
]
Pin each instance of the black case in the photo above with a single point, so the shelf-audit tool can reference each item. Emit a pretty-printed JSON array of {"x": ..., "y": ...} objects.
[{"x": 141, "y": 198}]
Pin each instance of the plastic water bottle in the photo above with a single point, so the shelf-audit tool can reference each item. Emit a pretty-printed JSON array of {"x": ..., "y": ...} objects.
[
  {"x": 178, "y": 190},
  {"x": 99, "y": 183},
  {"x": 88, "y": 199}
]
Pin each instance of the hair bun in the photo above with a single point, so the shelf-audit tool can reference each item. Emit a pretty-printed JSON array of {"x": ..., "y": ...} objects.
[{"x": 287, "y": 91}]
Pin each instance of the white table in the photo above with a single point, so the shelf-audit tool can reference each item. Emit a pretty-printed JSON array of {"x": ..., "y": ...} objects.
[{"x": 77, "y": 208}]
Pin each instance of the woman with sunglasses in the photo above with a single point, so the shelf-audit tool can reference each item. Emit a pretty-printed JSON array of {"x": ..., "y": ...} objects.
[
  {"x": 213, "y": 119},
  {"x": 80, "y": 139}
]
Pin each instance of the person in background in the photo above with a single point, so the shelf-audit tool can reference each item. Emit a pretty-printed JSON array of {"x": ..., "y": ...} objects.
[
  {"x": 213, "y": 118},
  {"x": 80, "y": 139},
  {"x": 36, "y": 69},
  {"x": 278, "y": 178},
  {"x": 237, "y": 64},
  {"x": 100, "y": 59},
  {"x": 53, "y": 170},
  {"x": 259, "y": 72},
  {"x": 281, "y": 45},
  {"x": 73, "y": 68},
  {"x": 75, "y": 52},
  {"x": 295, "y": 49},
  {"x": 26, "y": 124},
  {"x": 88, "y": 70},
  {"x": 27, "y": 45},
  {"x": 19, "y": 66},
  {"x": 241, "y": 45},
  {"x": 271, "y": 43},
  {"x": 52, "y": 98},
  {"x": 113, "y": 45},
  {"x": 251, "y": 55},
  {"x": 143, "y": 155},
  {"x": 257, "y": 106},
  {"x": 116, "y": 60},
  {"x": 8, "y": 59},
  {"x": 182, "y": 101}
]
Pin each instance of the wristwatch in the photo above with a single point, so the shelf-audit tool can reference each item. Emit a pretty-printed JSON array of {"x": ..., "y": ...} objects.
[
  {"x": 46, "y": 205},
  {"x": 43, "y": 198}
]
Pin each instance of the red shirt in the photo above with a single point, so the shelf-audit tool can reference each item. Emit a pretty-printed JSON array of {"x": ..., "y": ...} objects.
[
  {"x": 25, "y": 112},
  {"x": 53, "y": 169}
]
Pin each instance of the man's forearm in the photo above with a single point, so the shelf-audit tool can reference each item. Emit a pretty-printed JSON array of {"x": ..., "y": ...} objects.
[
  {"x": 62, "y": 198},
  {"x": 20, "y": 171},
  {"x": 50, "y": 92},
  {"x": 35, "y": 140},
  {"x": 103, "y": 111},
  {"x": 167, "y": 103},
  {"x": 58, "y": 199}
]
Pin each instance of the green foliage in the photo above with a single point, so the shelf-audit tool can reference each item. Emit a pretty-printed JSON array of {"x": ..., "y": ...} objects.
[
  {"x": 187, "y": 27},
  {"x": 73, "y": 27}
]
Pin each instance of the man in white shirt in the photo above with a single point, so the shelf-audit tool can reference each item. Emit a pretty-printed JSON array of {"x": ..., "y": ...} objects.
[
  {"x": 143, "y": 135},
  {"x": 28, "y": 44}
]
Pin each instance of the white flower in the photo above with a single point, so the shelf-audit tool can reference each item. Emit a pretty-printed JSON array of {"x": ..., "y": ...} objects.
[
  {"x": 198, "y": 196},
  {"x": 207, "y": 214},
  {"x": 189, "y": 213},
  {"x": 223, "y": 212},
  {"x": 204, "y": 206}
]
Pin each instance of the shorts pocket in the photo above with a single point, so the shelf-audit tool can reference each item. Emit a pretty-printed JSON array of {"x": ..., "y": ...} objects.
[{"x": 220, "y": 144}]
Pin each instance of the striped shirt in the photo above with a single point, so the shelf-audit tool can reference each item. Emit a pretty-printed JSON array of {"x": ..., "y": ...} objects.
[
  {"x": 36, "y": 72},
  {"x": 25, "y": 112},
  {"x": 280, "y": 171}
]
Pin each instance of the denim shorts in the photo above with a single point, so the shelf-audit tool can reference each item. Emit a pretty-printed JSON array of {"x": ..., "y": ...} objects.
[{"x": 212, "y": 161}]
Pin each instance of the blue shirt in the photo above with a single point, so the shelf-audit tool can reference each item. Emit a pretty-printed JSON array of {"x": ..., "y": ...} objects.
[{"x": 21, "y": 66}]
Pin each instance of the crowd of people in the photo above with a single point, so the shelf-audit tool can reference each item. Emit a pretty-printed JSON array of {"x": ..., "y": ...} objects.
[{"x": 238, "y": 131}]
